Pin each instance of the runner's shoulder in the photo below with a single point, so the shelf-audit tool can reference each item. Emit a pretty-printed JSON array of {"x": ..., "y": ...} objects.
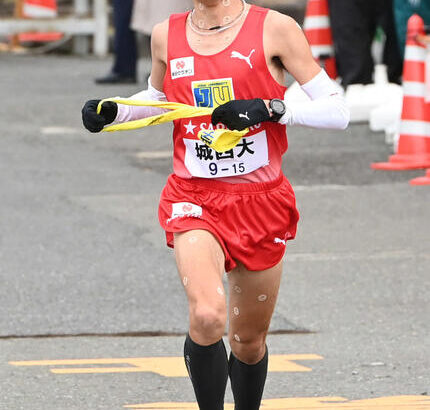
[
  {"x": 159, "y": 37},
  {"x": 160, "y": 31},
  {"x": 282, "y": 34},
  {"x": 281, "y": 24}
]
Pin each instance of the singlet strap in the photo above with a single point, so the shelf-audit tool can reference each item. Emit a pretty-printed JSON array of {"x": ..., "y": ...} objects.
[{"x": 253, "y": 25}]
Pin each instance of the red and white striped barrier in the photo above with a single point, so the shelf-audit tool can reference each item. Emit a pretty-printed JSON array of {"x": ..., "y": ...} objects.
[
  {"x": 413, "y": 151},
  {"x": 39, "y": 8},
  {"x": 317, "y": 30}
]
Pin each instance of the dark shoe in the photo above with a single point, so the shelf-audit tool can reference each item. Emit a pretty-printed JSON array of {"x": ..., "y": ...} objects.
[{"x": 114, "y": 78}]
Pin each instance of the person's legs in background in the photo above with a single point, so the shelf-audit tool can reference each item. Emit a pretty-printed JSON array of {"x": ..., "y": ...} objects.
[
  {"x": 392, "y": 57},
  {"x": 353, "y": 27},
  {"x": 125, "y": 46}
]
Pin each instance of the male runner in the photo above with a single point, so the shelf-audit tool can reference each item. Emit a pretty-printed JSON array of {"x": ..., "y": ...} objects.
[{"x": 231, "y": 211}]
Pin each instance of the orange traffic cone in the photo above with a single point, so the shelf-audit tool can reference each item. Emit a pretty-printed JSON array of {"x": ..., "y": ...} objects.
[
  {"x": 318, "y": 32},
  {"x": 39, "y": 9},
  {"x": 413, "y": 151},
  {"x": 425, "y": 180}
]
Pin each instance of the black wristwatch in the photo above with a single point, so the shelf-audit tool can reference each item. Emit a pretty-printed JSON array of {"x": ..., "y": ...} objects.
[{"x": 277, "y": 109}]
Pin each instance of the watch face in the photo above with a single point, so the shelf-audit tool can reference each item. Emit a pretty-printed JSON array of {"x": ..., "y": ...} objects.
[{"x": 278, "y": 106}]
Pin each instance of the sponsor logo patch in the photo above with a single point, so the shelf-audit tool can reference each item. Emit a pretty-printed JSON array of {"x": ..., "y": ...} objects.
[
  {"x": 182, "y": 67},
  {"x": 181, "y": 209},
  {"x": 212, "y": 93}
]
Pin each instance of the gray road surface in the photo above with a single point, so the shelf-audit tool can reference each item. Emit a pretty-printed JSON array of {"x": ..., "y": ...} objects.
[{"x": 82, "y": 257}]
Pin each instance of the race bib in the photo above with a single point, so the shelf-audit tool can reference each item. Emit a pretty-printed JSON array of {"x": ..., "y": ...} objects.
[{"x": 248, "y": 155}]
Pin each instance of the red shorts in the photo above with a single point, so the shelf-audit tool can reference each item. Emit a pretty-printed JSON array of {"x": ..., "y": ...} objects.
[{"x": 252, "y": 221}]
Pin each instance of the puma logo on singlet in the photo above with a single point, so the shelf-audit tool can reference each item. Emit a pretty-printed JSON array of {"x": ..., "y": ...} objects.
[
  {"x": 236, "y": 54},
  {"x": 244, "y": 115}
]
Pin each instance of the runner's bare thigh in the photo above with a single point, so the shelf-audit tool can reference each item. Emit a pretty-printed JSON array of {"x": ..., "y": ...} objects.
[{"x": 200, "y": 261}]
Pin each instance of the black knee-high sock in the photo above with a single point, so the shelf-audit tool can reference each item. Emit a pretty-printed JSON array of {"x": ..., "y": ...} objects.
[
  {"x": 208, "y": 370},
  {"x": 247, "y": 382}
]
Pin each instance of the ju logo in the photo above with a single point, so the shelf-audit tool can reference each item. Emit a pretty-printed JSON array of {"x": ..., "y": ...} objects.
[{"x": 212, "y": 93}]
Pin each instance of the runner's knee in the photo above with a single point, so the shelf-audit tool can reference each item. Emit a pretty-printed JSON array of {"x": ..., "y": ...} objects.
[
  {"x": 249, "y": 350},
  {"x": 208, "y": 322}
]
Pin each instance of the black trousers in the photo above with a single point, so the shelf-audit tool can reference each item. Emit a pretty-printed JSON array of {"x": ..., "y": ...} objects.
[
  {"x": 353, "y": 24},
  {"x": 125, "y": 42}
]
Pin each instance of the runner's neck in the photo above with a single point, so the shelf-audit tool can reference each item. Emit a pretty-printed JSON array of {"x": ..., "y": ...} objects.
[{"x": 214, "y": 14}]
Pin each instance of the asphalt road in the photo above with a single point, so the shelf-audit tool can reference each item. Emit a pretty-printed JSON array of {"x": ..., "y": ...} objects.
[{"x": 85, "y": 274}]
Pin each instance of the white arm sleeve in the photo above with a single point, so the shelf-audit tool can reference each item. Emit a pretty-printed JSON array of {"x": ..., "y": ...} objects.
[
  {"x": 130, "y": 112},
  {"x": 327, "y": 108}
]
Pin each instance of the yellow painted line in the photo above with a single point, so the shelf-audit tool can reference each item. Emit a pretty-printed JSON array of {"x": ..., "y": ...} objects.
[
  {"x": 286, "y": 362},
  {"x": 164, "y": 366},
  {"x": 314, "y": 403}
]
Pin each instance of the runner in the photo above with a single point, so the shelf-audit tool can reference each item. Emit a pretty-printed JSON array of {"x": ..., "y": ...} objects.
[{"x": 232, "y": 211}]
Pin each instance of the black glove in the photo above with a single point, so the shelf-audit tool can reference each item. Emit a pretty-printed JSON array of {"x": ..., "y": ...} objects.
[
  {"x": 94, "y": 122},
  {"x": 241, "y": 114}
]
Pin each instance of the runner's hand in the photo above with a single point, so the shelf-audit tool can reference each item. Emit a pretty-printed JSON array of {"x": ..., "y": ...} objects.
[
  {"x": 94, "y": 122},
  {"x": 241, "y": 114}
]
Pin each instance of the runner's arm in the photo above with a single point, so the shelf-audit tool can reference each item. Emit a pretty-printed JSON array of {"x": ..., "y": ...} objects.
[
  {"x": 327, "y": 108},
  {"x": 154, "y": 92}
]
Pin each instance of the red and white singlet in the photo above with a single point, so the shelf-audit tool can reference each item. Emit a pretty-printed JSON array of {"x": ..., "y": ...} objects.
[{"x": 238, "y": 72}]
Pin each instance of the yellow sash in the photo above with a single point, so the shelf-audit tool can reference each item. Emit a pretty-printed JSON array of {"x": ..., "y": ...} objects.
[{"x": 220, "y": 140}]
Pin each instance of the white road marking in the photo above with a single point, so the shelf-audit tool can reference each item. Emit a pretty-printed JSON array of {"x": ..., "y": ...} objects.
[
  {"x": 60, "y": 130},
  {"x": 154, "y": 154}
]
